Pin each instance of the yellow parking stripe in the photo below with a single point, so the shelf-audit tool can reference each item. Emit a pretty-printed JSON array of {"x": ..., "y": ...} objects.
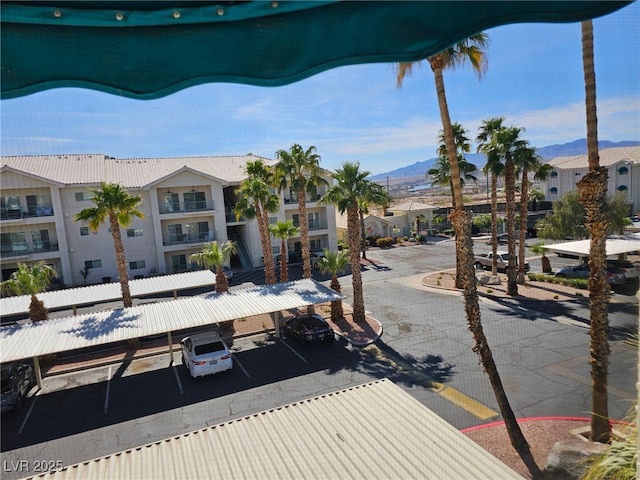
[{"x": 449, "y": 393}]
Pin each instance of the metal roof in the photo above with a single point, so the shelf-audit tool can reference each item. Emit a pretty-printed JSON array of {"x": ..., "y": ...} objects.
[
  {"x": 70, "y": 333},
  {"x": 607, "y": 157},
  {"x": 374, "y": 430},
  {"x": 614, "y": 246},
  {"x": 107, "y": 292}
]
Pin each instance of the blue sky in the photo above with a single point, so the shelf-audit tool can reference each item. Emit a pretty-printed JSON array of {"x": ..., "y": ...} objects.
[{"x": 355, "y": 113}]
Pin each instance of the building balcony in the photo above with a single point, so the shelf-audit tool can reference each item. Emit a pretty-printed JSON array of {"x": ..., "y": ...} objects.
[
  {"x": 186, "y": 207},
  {"x": 22, "y": 249},
  {"x": 312, "y": 226},
  {"x": 184, "y": 239},
  {"x": 22, "y": 213}
]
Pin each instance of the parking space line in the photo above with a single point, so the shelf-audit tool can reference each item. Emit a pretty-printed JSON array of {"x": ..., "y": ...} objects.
[
  {"x": 235, "y": 359},
  {"x": 291, "y": 348},
  {"x": 175, "y": 372},
  {"x": 106, "y": 397},
  {"x": 26, "y": 417}
]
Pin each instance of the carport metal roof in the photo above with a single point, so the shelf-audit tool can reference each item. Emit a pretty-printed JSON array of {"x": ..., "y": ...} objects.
[
  {"x": 375, "y": 430},
  {"x": 70, "y": 333},
  {"x": 614, "y": 246},
  {"x": 73, "y": 297}
]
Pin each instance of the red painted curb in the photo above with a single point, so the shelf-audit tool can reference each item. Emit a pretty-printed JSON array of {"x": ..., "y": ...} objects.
[{"x": 534, "y": 419}]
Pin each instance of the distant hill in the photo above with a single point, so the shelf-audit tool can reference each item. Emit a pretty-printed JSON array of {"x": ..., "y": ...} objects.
[{"x": 578, "y": 147}]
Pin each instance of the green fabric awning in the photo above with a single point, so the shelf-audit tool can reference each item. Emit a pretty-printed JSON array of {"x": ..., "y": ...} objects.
[{"x": 147, "y": 50}]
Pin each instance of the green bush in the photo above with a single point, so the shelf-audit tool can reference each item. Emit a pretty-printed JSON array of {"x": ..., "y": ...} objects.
[
  {"x": 384, "y": 242},
  {"x": 581, "y": 283}
]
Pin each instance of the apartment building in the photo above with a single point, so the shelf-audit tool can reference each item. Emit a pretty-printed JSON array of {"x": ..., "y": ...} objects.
[
  {"x": 186, "y": 201},
  {"x": 622, "y": 164}
]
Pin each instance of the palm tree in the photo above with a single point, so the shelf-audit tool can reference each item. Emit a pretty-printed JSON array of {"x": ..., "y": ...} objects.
[
  {"x": 284, "y": 231},
  {"x": 372, "y": 194},
  {"x": 300, "y": 170},
  {"x": 215, "y": 256},
  {"x": 115, "y": 205},
  {"x": 470, "y": 49},
  {"x": 593, "y": 194},
  {"x": 527, "y": 161},
  {"x": 334, "y": 263},
  {"x": 510, "y": 147},
  {"x": 344, "y": 194},
  {"x": 539, "y": 249},
  {"x": 31, "y": 280},
  {"x": 495, "y": 168},
  {"x": 257, "y": 201},
  {"x": 467, "y": 169}
]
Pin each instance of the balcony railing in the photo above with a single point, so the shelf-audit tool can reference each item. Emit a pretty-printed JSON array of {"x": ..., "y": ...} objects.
[
  {"x": 18, "y": 249},
  {"x": 231, "y": 217},
  {"x": 313, "y": 225},
  {"x": 184, "y": 238},
  {"x": 177, "y": 207},
  {"x": 22, "y": 213},
  {"x": 309, "y": 199}
]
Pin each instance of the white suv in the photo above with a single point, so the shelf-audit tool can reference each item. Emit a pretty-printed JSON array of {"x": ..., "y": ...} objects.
[{"x": 205, "y": 354}]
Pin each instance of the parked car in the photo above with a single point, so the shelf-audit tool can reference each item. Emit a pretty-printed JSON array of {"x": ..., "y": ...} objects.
[
  {"x": 631, "y": 270},
  {"x": 17, "y": 380},
  {"x": 503, "y": 238},
  {"x": 309, "y": 329},
  {"x": 615, "y": 276},
  {"x": 205, "y": 354}
]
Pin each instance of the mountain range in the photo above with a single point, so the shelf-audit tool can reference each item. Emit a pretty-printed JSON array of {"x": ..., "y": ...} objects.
[{"x": 577, "y": 147}]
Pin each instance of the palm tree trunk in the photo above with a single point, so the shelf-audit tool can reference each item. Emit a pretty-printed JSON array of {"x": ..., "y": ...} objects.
[
  {"x": 510, "y": 183},
  {"x": 353, "y": 228},
  {"x": 37, "y": 310},
  {"x": 524, "y": 191},
  {"x": 461, "y": 222},
  {"x": 304, "y": 234},
  {"x": 494, "y": 224},
  {"x": 592, "y": 189},
  {"x": 363, "y": 237},
  {"x": 336, "y": 306},
  {"x": 222, "y": 286},
  {"x": 263, "y": 228},
  {"x": 121, "y": 262},
  {"x": 284, "y": 269}
]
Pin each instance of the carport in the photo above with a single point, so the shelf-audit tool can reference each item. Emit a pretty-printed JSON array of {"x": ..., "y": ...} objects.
[
  {"x": 107, "y": 292},
  {"x": 33, "y": 340},
  {"x": 614, "y": 246}
]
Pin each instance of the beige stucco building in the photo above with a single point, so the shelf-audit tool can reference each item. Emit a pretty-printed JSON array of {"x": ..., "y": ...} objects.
[{"x": 186, "y": 201}]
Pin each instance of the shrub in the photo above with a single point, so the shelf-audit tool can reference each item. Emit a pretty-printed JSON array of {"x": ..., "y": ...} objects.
[
  {"x": 581, "y": 283},
  {"x": 384, "y": 242}
]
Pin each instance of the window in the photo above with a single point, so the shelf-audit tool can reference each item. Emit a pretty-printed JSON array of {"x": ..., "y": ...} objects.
[
  {"x": 314, "y": 220},
  {"x": 175, "y": 233},
  {"x": 40, "y": 240},
  {"x": 171, "y": 202},
  {"x": 134, "y": 232},
  {"x": 295, "y": 218},
  {"x": 14, "y": 242},
  {"x": 197, "y": 231},
  {"x": 89, "y": 264},
  {"x": 178, "y": 263},
  {"x": 553, "y": 190},
  {"x": 273, "y": 220},
  {"x": 137, "y": 265},
  {"x": 275, "y": 249},
  {"x": 553, "y": 174},
  {"x": 315, "y": 245},
  {"x": 35, "y": 205},
  {"x": 84, "y": 231},
  {"x": 623, "y": 171},
  {"x": 82, "y": 196},
  {"x": 194, "y": 201},
  {"x": 622, "y": 188}
]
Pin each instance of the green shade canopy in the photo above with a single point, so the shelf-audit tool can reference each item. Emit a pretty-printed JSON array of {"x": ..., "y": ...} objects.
[{"x": 147, "y": 50}]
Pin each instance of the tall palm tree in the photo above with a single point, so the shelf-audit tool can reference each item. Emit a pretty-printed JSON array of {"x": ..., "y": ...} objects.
[
  {"x": 215, "y": 256},
  {"x": 31, "y": 280},
  {"x": 284, "y": 231},
  {"x": 494, "y": 167},
  {"x": 334, "y": 263},
  {"x": 299, "y": 170},
  {"x": 372, "y": 194},
  {"x": 470, "y": 49},
  {"x": 467, "y": 171},
  {"x": 344, "y": 194},
  {"x": 593, "y": 194},
  {"x": 510, "y": 147},
  {"x": 256, "y": 201},
  {"x": 115, "y": 205}
]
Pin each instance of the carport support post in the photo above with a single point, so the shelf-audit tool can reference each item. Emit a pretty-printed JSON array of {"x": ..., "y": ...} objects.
[
  {"x": 36, "y": 367},
  {"x": 276, "y": 321},
  {"x": 170, "y": 347}
]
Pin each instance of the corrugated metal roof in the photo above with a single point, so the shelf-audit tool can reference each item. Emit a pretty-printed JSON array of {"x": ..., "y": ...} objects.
[
  {"x": 608, "y": 156},
  {"x": 70, "y": 333},
  {"x": 129, "y": 172},
  {"x": 614, "y": 246},
  {"x": 372, "y": 431},
  {"x": 108, "y": 291},
  {"x": 412, "y": 206}
]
